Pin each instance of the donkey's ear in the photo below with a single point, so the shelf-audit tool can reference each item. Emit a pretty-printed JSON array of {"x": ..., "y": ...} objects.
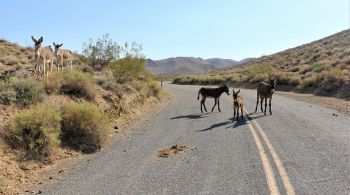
[
  {"x": 34, "y": 40},
  {"x": 40, "y": 40},
  {"x": 238, "y": 91},
  {"x": 233, "y": 90},
  {"x": 61, "y": 44},
  {"x": 54, "y": 44}
]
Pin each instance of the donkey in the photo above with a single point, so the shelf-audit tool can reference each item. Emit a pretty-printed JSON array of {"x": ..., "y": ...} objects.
[
  {"x": 265, "y": 90},
  {"x": 44, "y": 53},
  {"x": 62, "y": 54},
  {"x": 214, "y": 93},
  {"x": 237, "y": 104}
]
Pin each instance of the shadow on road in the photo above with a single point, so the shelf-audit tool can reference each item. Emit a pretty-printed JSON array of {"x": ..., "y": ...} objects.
[
  {"x": 215, "y": 126},
  {"x": 236, "y": 123},
  {"x": 191, "y": 116}
]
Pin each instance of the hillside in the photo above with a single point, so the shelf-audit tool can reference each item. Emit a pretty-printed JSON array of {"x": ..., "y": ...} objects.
[
  {"x": 321, "y": 67},
  {"x": 38, "y": 116},
  {"x": 187, "y": 65}
]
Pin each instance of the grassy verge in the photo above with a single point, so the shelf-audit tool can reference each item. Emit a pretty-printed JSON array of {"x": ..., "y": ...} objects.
[{"x": 330, "y": 82}]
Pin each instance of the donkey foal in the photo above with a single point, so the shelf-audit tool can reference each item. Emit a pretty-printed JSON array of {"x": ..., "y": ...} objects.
[{"x": 237, "y": 104}]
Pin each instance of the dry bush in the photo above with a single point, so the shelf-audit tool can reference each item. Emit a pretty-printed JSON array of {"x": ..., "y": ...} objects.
[
  {"x": 28, "y": 91},
  {"x": 78, "y": 84},
  {"x": 36, "y": 131},
  {"x": 53, "y": 83},
  {"x": 83, "y": 127},
  {"x": 11, "y": 60}
]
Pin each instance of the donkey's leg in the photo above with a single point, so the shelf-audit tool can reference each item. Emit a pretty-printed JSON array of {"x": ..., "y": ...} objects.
[
  {"x": 234, "y": 112},
  {"x": 201, "y": 105},
  {"x": 242, "y": 111},
  {"x": 214, "y": 105},
  {"x": 270, "y": 105},
  {"x": 219, "y": 105},
  {"x": 205, "y": 108},
  {"x": 257, "y": 102},
  {"x": 261, "y": 103},
  {"x": 265, "y": 106},
  {"x": 237, "y": 113}
]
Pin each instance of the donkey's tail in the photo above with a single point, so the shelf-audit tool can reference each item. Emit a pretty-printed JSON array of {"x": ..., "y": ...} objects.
[{"x": 199, "y": 92}]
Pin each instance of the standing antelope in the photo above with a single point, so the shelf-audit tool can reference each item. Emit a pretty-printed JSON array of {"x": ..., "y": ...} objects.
[
  {"x": 44, "y": 53},
  {"x": 265, "y": 90},
  {"x": 214, "y": 93},
  {"x": 237, "y": 104},
  {"x": 62, "y": 54}
]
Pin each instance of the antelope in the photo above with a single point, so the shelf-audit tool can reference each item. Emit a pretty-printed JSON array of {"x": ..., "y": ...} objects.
[
  {"x": 214, "y": 93},
  {"x": 265, "y": 90},
  {"x": 62, "y": 54},
  {"x": 237, "y": 104},
  {"x": 44, "y": 53}
]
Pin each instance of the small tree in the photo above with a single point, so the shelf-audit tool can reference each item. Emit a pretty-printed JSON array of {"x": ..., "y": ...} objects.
[
  {"x": 131, "y": 65},
  {"x": 102, "y": 51}
]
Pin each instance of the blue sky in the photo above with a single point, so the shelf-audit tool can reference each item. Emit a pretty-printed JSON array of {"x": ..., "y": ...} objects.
[{"x": 233, "y": 29}]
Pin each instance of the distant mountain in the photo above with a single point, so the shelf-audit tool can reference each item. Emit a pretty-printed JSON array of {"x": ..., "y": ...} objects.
[{"x": 187, "y": 65}]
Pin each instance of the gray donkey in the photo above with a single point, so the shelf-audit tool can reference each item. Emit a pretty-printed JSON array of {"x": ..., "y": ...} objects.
[
  {"x": 265, "y": 90},
  {"x": 214, "y": 93}
]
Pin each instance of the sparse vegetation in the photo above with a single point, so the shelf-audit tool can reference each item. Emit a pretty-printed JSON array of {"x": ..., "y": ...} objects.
[
  {"x": 36, "y": 131},
  {"x": 78, "y": 84},
  {"x": 83, "y": 127},
  {"x": 321, "y": 67},
  {"x": 28, "y": 91}
]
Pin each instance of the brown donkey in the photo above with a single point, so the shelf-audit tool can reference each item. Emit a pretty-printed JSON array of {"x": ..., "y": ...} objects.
[
  {"x": 237, "y": 104},
  {"x": 214, "y": 93},
  {"x": 61, "y": 55},
  {"x": 46, "y": 54},
  {"x": 265, "y": 90}
]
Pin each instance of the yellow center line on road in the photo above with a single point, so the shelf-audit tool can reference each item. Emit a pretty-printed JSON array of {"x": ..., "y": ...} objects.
[
  {"x": 282, "y": 171},
  {"x": 270, "y": 177}
]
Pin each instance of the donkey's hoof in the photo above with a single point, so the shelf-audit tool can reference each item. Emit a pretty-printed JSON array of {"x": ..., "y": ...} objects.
[
  {"x": 264, "y": 113},
  {"x": 270, "y": 113}
]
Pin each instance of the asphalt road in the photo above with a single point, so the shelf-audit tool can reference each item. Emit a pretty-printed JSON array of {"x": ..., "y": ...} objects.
[{"x": 301, "y": 148}]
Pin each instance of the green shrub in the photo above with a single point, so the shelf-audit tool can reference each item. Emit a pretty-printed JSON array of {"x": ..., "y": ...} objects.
[
  {"x": 28, "y": 91},
  {"x": 259, "y": 69},
  {"x": 317, "y": 67},
  {"x": 83, "y": 127},
  {"x": 128, "y": 68},
  {"x": 78, "y": 84},
  {"x": 36, "y": 131}
]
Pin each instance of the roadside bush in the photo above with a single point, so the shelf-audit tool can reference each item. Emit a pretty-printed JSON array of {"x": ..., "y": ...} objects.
[
  {"x": 78, "y": 84},
  {"x": 28, "y": 91},
  {"x": 83, "y": 127},
  {"x": 36, "y": 131},
  {"x": 154, "y": 89}
]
